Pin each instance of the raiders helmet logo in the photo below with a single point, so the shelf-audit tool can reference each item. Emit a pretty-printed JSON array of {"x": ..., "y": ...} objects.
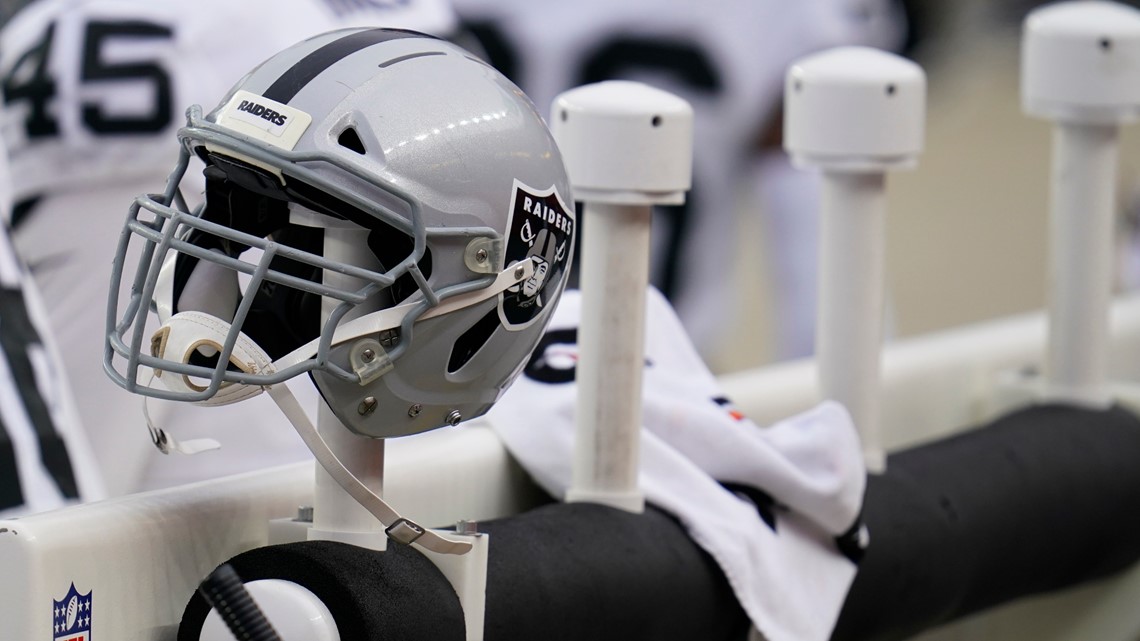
[{"x": 541, "y": 228}]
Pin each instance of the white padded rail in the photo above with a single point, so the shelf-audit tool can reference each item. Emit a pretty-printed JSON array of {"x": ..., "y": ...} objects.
[
  {"x": 937, "y": 384},
  {"x": 142, "y": 556}
]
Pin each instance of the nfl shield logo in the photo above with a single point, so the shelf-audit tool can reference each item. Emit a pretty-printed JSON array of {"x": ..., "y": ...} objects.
[{"x": 71, "y": 620}]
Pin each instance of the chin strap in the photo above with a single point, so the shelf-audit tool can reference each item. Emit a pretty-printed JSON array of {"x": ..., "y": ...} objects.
[
  {"x": 398, "y": 528},
  {"x": 210, "y": 332},
  {"x": 186, "y": 332}
]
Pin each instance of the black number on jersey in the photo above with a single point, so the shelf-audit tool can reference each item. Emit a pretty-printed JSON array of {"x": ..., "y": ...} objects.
[
  {"x": 17, "y": 337},
  {"x": 684, "y": 61},
  {"x": 30, "y": 80},
  {"x": 95, "y": 70},
  {"x": 689, "y": 65}
]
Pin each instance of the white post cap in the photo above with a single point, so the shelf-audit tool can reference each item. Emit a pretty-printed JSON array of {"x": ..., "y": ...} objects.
[
  {"x": 1080, "y": 62},
  {"x": 854, "y": 109},
  {"x": 625, "y": 142}
]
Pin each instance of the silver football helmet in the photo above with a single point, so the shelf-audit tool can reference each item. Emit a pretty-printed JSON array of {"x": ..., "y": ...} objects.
[{"x": 382, "y": 210}]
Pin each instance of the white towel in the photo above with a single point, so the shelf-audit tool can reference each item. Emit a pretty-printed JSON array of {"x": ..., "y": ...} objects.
[{"x": 791, "y": 579}]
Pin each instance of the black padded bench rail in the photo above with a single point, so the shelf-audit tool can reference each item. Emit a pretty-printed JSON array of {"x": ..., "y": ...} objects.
[
  {"x": 561, "y": 572},
  {"x": 1042, "y": 499},
  {"x": 1045, "y": 498}
]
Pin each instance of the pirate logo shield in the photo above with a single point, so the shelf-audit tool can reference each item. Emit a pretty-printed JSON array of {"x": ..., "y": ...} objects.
[{"x": 541, "y": 229}]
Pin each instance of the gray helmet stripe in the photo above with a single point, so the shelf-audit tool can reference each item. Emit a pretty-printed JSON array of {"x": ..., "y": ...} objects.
[{"x": 292, "y": 81}]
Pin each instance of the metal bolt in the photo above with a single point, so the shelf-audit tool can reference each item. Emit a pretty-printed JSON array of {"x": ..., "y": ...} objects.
[
  {"x": 481, "y": 255},
  {"x": 463, "y": 526},
  {"x": 304, "y": 514},
  {"x": 368, "y": 356},
  {"x": 520, "y": 271},
  {"x": 367, "y": 406},
  {"x": 454, "y": 417},
  {"x": 415, "y": 410}
]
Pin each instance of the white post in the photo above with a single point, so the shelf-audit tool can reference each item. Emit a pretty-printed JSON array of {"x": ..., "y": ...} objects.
[
  {"x": 336, "y": 515},
  {"x": 1082, "y": 214},
  {"x": 850, "y": 323},
  {"x": 611, "y": 340},
  {"x": 626, "y": 147},
  {"x": 854, "y": 113},
  {"x": 1080, "y": 70}
]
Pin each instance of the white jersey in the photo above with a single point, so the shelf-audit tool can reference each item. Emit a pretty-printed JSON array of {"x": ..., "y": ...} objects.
[
  {"x": 93, "y": 93},
  {"x": 728, "y": 59},
  {"x": 45, "y": 460}
]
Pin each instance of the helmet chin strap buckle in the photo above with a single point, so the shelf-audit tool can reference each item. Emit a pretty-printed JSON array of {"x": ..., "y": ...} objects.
[
  {"x": 404, "y": 531},
  {"x": 369, "y": 360},
  {"x": 398, "y": 528}
]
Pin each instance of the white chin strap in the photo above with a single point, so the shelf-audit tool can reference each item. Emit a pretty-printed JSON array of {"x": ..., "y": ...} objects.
[
  {"x": 186, "y": 332},
  {"x": 397, "y": 527}
]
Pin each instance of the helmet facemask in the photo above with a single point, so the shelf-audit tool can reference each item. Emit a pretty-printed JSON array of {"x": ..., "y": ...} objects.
[{"x": 241, "y": 259}]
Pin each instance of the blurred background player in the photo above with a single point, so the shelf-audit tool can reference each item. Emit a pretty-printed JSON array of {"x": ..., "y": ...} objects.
[
  {"x": 45, "y": 458},
  {"x": 93, "y": 91},
  {"x": 739, "y": 261},
  {"x": 728, "y": 59}
]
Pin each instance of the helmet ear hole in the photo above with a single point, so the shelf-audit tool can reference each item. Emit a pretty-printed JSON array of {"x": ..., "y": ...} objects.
[
  {"x": 349, "y": 139},
  {"x": 471, "y": 341}
]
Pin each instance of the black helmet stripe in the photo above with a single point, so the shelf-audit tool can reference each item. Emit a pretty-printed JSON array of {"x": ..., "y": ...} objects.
[{"x": 292, "y": 81}]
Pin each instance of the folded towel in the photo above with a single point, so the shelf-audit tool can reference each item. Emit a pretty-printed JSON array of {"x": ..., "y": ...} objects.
[{"x": 799, "y": 483}]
